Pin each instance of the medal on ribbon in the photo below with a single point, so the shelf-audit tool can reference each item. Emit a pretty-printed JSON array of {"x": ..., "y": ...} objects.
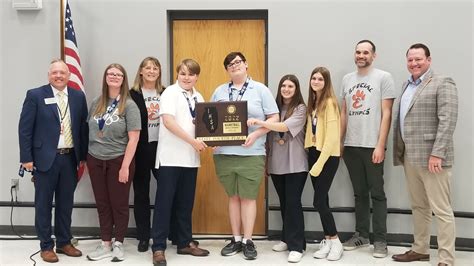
[
  {"x": 281, "y": 141},
  {"x": 101, "y": 121}
]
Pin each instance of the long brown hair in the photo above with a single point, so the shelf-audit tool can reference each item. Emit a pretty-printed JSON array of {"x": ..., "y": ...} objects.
[
  {"x": 297, "y": 98},
  {"x": 326, "y": 94},
  {"x": 104, "y": 97},
  {"x": 138, "y": 83}
]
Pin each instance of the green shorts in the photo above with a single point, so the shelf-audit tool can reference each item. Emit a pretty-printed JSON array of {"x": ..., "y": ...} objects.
[{"x": 240, "y": 175}]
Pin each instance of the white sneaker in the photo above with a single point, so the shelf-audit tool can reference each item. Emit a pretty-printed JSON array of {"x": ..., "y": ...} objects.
[
  {"x": 102, "y": 251},
  {"x": 295, "y": 256},
  {"x": 117, "y": 251},
  {"x": 282, "y": 246},
  {"x": 324, "y": 249},
  {"x": 336, "y": 250}
]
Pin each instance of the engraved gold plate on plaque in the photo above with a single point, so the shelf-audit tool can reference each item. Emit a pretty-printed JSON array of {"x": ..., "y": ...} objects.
[{"x": 232, "y": 127}]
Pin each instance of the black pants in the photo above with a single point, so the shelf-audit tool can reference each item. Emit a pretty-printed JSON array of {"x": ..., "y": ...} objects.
[
  {"x": 174, "y": 193},
  {"x": 289, "y": 188},
  {"x": 321, "y": 185},
  {"x": 144, "y": 163}
]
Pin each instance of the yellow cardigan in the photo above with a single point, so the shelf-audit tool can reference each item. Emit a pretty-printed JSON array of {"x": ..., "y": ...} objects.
[{"x": 327, "y": 136}]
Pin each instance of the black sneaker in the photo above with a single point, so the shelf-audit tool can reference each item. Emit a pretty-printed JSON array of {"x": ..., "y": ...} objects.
[
  {"x": 232, "y": 248},
  {"x": 250, "y": 253}
]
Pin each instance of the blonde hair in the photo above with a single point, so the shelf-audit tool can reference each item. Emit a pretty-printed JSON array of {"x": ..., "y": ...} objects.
[{"x": 138, "y": 83}]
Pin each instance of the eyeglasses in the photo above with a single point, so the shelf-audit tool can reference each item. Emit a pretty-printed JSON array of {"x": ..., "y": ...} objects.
[
  {"x": 115, "y": 75},
  {"x": 236, "y": 63}
]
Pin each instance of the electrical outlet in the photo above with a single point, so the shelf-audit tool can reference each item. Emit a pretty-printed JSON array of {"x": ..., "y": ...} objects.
[{"x": 16, "y": 183}]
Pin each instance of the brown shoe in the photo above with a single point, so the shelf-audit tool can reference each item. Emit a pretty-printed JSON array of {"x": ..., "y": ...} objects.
[
  {"x": 442, "y": 264},
  {"x": 411, "y": 256},
  {"x": 193, "y": 249},
  {"x": 49, "y": 255},
  {"x": 69, "y": 250},
  {"x": 159, "y": 258}
]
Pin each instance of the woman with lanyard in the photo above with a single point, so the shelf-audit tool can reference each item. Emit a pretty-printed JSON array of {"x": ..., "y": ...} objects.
[
  {"x": 240, "y": 168},
  {"x": 114, "y": 129},
  {"x": 288, "y": 163},
  {"x": 145, "y": 92},
  {"x": 177, "y": 160},
  {"x": 322, "y": 141}
]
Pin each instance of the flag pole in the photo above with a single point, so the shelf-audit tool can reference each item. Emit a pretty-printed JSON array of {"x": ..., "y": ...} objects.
[{"x": 61, "y": 27}]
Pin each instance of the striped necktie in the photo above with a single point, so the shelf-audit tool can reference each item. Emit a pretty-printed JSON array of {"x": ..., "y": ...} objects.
[{"x": 65, "y": 119}]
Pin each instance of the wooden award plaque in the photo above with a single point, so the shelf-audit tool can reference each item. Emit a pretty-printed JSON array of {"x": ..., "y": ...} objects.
[{"x": 222, "y": 123}]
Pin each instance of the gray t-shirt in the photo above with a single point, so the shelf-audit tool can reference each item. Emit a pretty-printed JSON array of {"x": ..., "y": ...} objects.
[
  {"x": 290, "y": 156},
  {"x": 115, "y": 132},
  {"x": 363, "y": 96}
]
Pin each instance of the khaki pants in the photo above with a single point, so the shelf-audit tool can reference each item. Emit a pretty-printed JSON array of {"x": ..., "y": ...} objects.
[{"x": 431, "y": 193}]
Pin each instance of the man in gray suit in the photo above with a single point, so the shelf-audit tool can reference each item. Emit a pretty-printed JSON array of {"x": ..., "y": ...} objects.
[{"x": 423, "y": 143}]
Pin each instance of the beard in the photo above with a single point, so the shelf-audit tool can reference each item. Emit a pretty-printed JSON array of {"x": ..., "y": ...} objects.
[{"x": 362, "y": 63}]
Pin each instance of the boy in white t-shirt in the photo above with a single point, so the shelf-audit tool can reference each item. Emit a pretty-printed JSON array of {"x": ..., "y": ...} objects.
[{"x": 177, "y": 171}]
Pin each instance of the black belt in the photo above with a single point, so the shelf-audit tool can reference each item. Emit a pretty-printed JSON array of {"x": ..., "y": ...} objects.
[{"x": 65, "y": 150}]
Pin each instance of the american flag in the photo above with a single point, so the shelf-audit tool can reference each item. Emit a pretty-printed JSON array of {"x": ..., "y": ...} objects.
[
  {"x": 71, "y": 53},
  {"x": 73, "y": 61}
]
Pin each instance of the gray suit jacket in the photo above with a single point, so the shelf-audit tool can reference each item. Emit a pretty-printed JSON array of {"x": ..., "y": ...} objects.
[{"x": 429, "y": 123}]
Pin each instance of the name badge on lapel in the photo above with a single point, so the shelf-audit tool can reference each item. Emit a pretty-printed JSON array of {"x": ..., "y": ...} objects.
[{"x": 51, "y": 100}]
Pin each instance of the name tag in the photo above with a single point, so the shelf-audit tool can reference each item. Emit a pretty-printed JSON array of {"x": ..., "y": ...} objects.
[{"x": 51, "y": 100}]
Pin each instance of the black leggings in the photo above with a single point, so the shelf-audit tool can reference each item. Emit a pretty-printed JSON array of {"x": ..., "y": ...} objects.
[
  {"x": 289, "y": 188},
  {"x": 321, "y": 185}
]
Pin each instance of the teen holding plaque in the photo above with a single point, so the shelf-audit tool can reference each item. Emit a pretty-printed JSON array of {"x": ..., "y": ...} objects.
[
  {"x": 288, "y": 163},
  {"x": 240, "y": 168},
  {"x": 177, "y": 162},
  {"x": 322, "y": 141}
]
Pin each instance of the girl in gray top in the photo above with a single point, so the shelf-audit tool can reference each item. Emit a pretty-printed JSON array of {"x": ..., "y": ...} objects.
[
  {"x": 114, "y": 128},
  {"x": 288, "y": 163}
]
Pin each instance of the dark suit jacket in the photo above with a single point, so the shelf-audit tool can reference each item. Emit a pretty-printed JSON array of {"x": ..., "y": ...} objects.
[
  {"x": 429, "y": 123},
  {"x": 39, "y": 127}
]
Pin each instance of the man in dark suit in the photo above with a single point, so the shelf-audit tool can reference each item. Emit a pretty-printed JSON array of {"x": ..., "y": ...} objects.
[
  {"x": 53, "y": 143},
  {"x": 423, "y": 143}
]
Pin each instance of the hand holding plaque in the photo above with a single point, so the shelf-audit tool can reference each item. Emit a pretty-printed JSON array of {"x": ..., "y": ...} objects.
[{"x": 222, "y": 123}]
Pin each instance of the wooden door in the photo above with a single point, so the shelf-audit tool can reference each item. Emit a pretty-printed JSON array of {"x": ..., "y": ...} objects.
[{"x": 208, "y": 42}]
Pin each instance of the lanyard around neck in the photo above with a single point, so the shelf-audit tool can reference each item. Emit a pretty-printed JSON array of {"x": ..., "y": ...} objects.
[
  {"x": 314, "y": 121},
  {"x": 61, "y": 115},
  {"x": 192, "y": 110},
  {"x": 110, "y": 108},
  {"x": 282, "y": 118},
  {"x": 241, "y": 92}
]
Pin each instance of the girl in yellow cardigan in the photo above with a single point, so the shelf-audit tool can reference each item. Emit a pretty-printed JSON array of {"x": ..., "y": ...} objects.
[{"x": 322, "y": 141}]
